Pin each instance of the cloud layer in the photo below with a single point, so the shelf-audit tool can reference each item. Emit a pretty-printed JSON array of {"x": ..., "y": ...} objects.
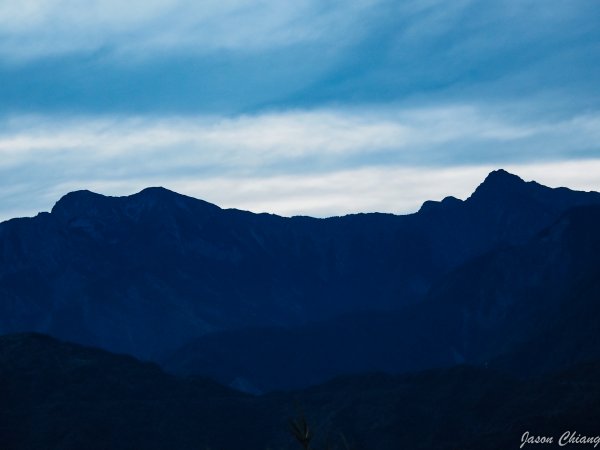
[
  {"x": 304, "y": 107},
  {"x": 321, "y": 162},
  {"x": 38, "y": 28},
  {"x": 230, "y": 57}
]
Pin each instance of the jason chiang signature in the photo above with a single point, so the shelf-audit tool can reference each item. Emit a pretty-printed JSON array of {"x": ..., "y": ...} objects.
[{"x": 565, "y": 439}]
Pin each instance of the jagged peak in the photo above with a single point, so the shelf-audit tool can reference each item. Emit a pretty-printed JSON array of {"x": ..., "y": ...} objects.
[
  {"x": 502, "y": 176},
  {"x": 500, "y": 183},
  {"x": 447, "y": 202},
  {"x": 497, "y": 183}
]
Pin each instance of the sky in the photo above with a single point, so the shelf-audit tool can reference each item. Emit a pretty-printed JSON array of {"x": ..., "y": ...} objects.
[{"x": 311, "y": 107}]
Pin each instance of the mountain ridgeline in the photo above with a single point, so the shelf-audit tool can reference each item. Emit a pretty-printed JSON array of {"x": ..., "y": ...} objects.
[
  {"x": 463, "y": 325},
  {"x": 149, "y": 273}
]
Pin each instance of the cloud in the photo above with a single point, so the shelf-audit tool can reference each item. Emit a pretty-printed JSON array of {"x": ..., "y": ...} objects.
[
  {"x": 327, "y": 137},
  {"x": 397, "y": 190},
  {"x": 303, "y": 107},
  {"x": 35, "y": 28},
  {"x": 323, "y": 161},
  {"x": 231, "y": 56}
]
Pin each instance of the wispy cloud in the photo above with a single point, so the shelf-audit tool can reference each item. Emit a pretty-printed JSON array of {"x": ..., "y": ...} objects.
[
  {"x": 230, "y": 56},
  {"x": 37, "y": 28},
  {"x": 308, "y": 161},
  {"x": 398, "y": 190},
  {"x": 424, "y": 135},
  {"x": 260, "y": 104}
]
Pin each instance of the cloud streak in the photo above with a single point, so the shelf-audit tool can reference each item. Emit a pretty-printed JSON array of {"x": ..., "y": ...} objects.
[
  {"x": 35, "y": 28},
  {"x": 425, "y": 135},
  {"x": 398, "y": 190},
  {"x": 325, "y": 155},
  {"x": 227, "y": 57},
  {"x": 38, "y": 28},
  {"x": 257, "y": 105}
]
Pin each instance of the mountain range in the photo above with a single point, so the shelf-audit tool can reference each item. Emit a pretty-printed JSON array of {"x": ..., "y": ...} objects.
[
  {"x": 169, "y": 278},
  {"x": 162, "y": 321}
]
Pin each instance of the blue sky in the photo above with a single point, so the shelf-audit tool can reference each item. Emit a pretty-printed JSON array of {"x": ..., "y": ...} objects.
[{"x": 306, "y": 107}]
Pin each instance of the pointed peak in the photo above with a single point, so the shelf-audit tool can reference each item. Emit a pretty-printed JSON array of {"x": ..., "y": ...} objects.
[
  {"x": 502, "y": 176},
  {"x": 499, "y": 183}
]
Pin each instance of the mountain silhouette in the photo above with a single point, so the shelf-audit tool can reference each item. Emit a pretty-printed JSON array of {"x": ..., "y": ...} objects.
[
  {"x": 60, "y": 396},
  {"x": 148, "y": 273},
  {"x": 462, "y": 325}
]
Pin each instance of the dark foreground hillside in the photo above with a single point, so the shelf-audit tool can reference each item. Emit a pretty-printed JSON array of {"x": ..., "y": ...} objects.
[
  {"x": 55, "y": 395},
  {"x": 63, "y": 396}
]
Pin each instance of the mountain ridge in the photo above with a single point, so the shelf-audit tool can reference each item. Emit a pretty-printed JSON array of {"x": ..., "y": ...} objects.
[
  {"x": 496, "y": 180},
  {"x": 146, "y": 273}
]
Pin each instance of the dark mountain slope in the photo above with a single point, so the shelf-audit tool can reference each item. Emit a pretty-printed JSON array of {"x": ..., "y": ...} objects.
[
  {"x": 528, "y": 308},
  {"x": 456, "y": 408},
  {"x": 572, "y": 334},
  {"x": 58, "y": 396},
  {"x": 546, "y": 290},
  {"x": 55, "y": 395},
  {"x": 146, "y": 273},
  {"x": 266, "y": 359}
]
